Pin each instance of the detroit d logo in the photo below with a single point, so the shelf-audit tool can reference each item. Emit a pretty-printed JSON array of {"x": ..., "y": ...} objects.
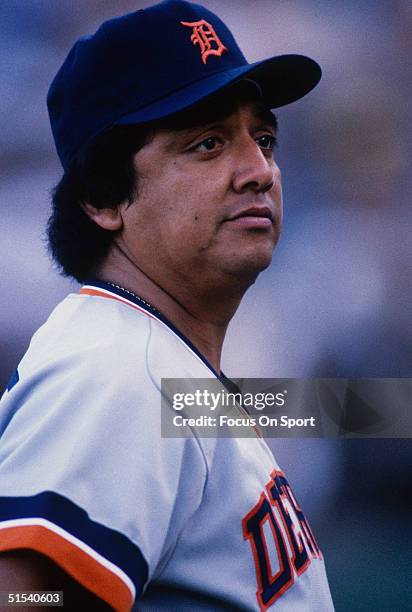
[{"x": 204, "y": 35}]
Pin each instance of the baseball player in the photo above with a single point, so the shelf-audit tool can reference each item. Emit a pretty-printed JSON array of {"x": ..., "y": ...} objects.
[{"x": 168, "y": 209}]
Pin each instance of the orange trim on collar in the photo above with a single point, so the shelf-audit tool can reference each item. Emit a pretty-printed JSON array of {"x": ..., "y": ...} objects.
[{"x": 110, "y": 296}]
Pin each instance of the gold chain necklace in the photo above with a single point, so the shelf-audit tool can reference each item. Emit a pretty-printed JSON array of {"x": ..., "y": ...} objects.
[{"x": 135, "y": 296}]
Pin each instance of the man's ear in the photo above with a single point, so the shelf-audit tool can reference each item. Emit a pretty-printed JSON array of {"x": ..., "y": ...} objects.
[{"x": 107, "y": 218}]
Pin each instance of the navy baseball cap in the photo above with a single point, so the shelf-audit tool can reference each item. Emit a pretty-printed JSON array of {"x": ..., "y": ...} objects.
[{"x": 156, "y": 62}]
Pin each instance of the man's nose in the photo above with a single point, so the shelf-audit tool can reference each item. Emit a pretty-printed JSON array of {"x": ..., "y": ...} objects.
[{"x": 254, "y": 171}]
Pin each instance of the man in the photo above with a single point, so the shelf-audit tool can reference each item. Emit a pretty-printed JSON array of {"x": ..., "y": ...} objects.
[{"x": 171, "y": 202}]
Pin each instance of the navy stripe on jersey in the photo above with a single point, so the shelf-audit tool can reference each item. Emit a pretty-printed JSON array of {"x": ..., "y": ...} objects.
[
  {"x": 14, "y": 379},
  {"x": 59, "y": 510},
  {"x": 155, "y": 313}
]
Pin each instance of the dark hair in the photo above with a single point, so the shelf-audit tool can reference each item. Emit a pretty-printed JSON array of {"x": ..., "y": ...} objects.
[{"x": 103, "y": 175}]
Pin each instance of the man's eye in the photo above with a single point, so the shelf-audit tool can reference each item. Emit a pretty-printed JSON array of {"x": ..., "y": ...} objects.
[
  {"x": 267, "y": 142},
  {"x": 207, "y": 145}
]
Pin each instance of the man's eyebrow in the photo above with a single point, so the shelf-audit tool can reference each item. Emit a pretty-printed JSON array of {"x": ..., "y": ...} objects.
[
  {"x": 261, "y": 112},
  {"x": 177, "y": 137},
  {"x": 201, "y": 127},
  {"x": 181, "y": 133}
]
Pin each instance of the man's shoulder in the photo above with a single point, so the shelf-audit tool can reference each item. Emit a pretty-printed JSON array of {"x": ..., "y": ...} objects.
[
  {"x": 84, "y": 324},
  {"x": 86, "y": 340},
  {"x": 87, "y": 337},
  {"x": 89, "y": 356}
]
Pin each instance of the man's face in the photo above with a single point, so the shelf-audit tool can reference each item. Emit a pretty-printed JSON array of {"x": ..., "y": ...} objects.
[{"x": 209, "y": 201}]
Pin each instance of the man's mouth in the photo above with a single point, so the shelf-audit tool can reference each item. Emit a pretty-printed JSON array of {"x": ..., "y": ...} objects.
[{"x": 253, "y": 217}]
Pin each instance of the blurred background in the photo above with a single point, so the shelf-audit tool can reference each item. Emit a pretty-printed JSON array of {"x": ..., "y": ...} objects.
[{"x": 336, "y": 301}]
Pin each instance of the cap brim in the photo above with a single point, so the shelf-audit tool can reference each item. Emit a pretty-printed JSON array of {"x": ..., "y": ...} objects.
[{"x": 282, "y": 79}]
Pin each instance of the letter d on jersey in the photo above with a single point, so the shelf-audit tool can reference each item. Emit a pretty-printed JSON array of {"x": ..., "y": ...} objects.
[{"x": 292, "y": 540}]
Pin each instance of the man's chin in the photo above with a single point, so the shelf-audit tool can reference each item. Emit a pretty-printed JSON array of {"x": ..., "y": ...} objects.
[{"x": 249, "y": 267}]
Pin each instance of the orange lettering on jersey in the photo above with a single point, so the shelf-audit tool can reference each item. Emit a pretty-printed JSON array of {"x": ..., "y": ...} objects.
[{"x": 204, "y": 35}]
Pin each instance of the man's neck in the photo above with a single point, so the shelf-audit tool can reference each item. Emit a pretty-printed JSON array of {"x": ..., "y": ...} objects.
[{"x": 200, "y": 313}]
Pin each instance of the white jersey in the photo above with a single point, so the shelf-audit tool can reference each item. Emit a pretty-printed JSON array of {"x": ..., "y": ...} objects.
[{"x": 144, "y": 522}]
